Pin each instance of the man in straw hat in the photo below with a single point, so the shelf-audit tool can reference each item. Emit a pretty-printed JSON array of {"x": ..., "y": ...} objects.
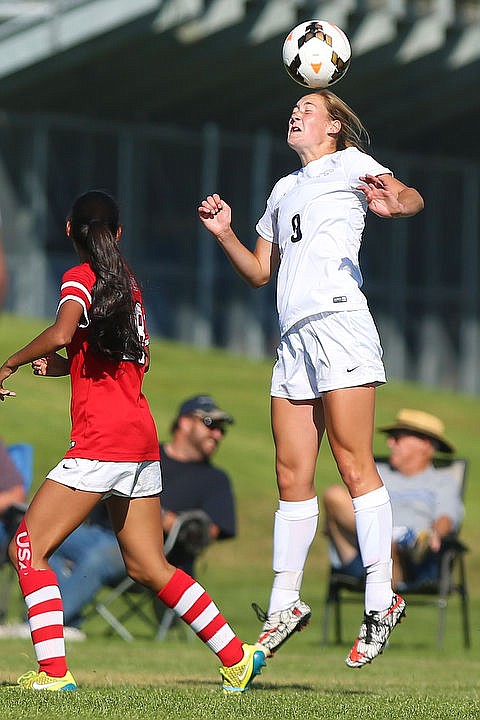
[{"x": 425, "y": 502}]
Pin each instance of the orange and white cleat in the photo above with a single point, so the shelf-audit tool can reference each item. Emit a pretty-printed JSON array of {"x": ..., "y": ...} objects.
[{"x": 374, "y": 633}]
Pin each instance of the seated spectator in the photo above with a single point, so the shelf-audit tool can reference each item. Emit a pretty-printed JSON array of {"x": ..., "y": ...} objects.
[
  {"x": 425, "y": 502},
  {"x": 12, "y": 492},
  {"x": 190, "y": 481},
  {"x": 90, "y": 557}
]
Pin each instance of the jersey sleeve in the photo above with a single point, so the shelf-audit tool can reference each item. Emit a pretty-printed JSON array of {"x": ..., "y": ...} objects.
[
  {"x": 77, "y": 285},
  {"x": 266, "y": 226},
  {"x": 358, "y": 163}
]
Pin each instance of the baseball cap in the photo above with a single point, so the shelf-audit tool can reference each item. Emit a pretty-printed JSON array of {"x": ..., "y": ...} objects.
[{"x": 204, "y": 406}]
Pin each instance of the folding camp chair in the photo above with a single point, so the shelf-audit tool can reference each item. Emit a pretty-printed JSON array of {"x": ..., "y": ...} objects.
[
  {"x": 451, "y": 576},
  {"x": 191, "y": 530},
  {"x": 22, "y": 456}
]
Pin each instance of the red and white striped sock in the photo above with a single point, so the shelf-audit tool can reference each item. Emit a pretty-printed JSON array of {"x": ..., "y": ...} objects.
[
  {"x": 45, "y": 608},
  {"x": 195, "y": 607},
  {"x": 45, "y": 617}
]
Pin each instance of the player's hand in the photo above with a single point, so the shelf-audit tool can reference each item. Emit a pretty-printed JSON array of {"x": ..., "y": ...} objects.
[
  {"x": 39, "y": 366},
  {"x": 5, "y": 372},
  {"x": 381, "y": 199},
  {"x": 53, "y": 365},
  {"x": 215, "y": 214},
  {"x": 6, "y": 393}
]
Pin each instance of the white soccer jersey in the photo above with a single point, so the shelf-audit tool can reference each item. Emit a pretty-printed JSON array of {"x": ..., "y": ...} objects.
[{"x": 317, "y": 216}]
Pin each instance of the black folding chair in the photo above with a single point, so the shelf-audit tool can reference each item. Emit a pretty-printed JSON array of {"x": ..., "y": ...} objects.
[
  {"x": 451, "y": 579},
  {"x": 191, "y": 531}
]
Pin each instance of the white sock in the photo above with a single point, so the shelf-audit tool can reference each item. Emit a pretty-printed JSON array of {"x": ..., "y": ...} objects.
[
  {"x": 373, "y": 519},
  {"x": 293, "y": 532}
]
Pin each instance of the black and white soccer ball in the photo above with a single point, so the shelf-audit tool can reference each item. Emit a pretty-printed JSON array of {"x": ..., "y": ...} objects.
[{"x": 316, "y": 53}]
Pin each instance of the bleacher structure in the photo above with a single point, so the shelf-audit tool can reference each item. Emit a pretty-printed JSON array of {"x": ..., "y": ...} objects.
[{"x": 163, "y": 101}]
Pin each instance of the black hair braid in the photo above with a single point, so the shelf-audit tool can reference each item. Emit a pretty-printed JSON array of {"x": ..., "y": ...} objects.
[
  {"x": 94, "y": 225},
  {"x": 113, "y": 331}
]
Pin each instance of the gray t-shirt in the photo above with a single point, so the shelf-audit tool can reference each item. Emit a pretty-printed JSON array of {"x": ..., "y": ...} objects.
[{"x": 418, "y": 500}]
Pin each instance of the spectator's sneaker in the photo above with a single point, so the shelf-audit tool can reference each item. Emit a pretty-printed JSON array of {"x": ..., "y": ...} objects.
[
  {"x": 279, "y": 626},
  {"x": 374, "y": 633},
  {"x": 73, "y": 634},
  {"x": 33, "y": 680},
  {"x": 237, "y": 678}
]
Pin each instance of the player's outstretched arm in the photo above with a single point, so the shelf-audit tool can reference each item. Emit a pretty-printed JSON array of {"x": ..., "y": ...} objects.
[
  {"x": 390, "y": 198},
  {"x": 53, "y": 338},
  {"x": 255, "y": 267}
]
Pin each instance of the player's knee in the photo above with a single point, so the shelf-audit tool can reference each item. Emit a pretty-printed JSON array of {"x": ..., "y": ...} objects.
[
  {"x": 27, "y": 550},
  {"x": 20, "y": 548},
  {"x": 294, "y": 480},
  {"x": 359, "y": 474}
]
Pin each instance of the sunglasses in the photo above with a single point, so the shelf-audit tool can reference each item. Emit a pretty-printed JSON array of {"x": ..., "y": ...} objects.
[
  {"x": 399, "y": 434},
  {"x": 212, "y": 424}
]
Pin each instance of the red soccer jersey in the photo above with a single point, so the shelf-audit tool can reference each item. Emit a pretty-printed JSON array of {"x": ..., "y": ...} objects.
[{"x": 111, "y": 419}]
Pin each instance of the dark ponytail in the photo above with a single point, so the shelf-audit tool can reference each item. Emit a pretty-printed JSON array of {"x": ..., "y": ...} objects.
[{"x": 94, "y": 220}]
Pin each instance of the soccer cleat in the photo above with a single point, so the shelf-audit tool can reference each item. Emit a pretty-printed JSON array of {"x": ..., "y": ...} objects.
[
  {"x": 237, "y": 678},
  {"x": 281, "y": 625},
  {"x": 33, "y": 680},
  {"x": 374, "y": 633}
]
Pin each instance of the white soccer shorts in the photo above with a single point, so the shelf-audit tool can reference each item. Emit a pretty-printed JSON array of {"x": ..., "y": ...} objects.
[
  {"x": 328, "y": 351},
  {"x": 127, "y": 479}
]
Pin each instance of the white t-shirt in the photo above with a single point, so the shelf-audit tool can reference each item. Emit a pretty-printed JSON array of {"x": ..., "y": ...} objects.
[{"x": 317, "y": 216}]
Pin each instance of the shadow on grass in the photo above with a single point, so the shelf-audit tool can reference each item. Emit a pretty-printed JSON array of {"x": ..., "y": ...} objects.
[
  {"x": 260, "y": 686},
  {"x": 343, "y": 647}
]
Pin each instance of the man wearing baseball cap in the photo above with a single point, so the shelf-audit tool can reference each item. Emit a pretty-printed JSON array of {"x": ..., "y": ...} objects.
[
  {"x": 190, "y": 480},
  {"x": 426, "y": 505}
]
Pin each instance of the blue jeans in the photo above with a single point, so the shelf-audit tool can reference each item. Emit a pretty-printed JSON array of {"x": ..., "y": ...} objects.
[
  {"x": 86, "y": 561},
  {"x": 3, "y": 534}
]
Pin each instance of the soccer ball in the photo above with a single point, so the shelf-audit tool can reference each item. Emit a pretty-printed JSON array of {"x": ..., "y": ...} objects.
[{"x": 316, "y": 53}]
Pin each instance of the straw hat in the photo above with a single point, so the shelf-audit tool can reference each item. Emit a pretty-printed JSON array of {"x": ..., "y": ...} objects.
[{"x": 421, "y": 423}]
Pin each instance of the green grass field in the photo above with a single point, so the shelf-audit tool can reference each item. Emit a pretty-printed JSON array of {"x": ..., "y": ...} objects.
[{"x": 175, "y": 678}]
